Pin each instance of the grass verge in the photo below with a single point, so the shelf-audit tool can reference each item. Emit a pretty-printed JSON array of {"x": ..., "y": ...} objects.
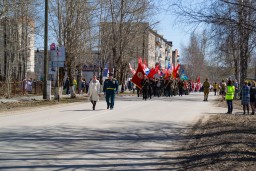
[{"x": 223, "y": 142}]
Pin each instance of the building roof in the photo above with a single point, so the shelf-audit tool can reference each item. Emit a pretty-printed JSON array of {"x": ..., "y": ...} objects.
[{"x": 160, "y": 36}]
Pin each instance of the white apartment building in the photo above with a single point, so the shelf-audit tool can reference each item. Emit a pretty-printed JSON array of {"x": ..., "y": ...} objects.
[
  {"x": 17, "y": 49},
  {"x": 143, "y": 42},
  {"x": 159, "y": 50}
]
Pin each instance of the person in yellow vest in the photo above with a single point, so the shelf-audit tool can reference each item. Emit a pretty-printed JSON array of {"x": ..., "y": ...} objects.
[
  {"x": 230, "y": 92},
  {"x": 215, "y": 88},
  {"x": 206, "y": 86},
  {"x": 74, "y": 85}
]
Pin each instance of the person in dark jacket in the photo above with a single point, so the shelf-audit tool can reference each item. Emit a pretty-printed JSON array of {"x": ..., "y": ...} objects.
[
  {"x": 152, "y": 86},
  {"x": 180, "y": 86},
  {"x": 67, "y": 85},
  {"x": 110, "y": 88},
  {"x": 245, "y": 97},
  {"x": 145, "y": 87},
  {"x": 252, "y": 97},
  {"x": 167, "y": 87}
]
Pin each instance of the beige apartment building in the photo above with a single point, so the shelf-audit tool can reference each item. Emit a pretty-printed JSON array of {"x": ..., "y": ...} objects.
[{"x": 142, "y": 42}]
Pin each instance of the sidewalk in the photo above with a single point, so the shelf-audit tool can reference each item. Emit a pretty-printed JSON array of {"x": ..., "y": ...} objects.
[
  {"x": 28, "y": 98},
  {"x": 32, "y": 97}
]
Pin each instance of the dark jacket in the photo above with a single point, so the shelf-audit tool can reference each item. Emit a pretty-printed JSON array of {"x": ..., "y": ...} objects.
[
  {"x": 110, "y": 85},
  {"x": 252, "y": 94}
]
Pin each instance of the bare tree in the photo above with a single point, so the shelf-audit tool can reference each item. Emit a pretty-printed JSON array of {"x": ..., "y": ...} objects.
[
  {"x": 194, "y": 56},
  {"x": 18, "y": 28},
  {"x": 123, "y": 30},
  {"x": 229, "y": 18},
  {"x": 71, "y": 24}
]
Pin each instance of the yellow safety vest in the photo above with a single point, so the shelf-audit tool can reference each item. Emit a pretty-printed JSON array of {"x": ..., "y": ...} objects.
[{"x": 230, "y": 92}]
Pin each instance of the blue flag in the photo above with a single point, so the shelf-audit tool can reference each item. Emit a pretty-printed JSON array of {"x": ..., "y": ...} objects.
[
  {"x": 105, "y": 71},
  {"x": 183, "y": 75}
]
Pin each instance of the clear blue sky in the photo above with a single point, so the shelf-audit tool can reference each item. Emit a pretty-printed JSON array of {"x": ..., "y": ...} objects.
[
  {"x": 171, "y": 30},
  {"x": 170, "y": 27}
]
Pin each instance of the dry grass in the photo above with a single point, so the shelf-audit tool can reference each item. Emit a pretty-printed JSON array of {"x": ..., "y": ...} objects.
[
  {"x": 33, "y": 104},
  {"x": 224, "y": 142}
]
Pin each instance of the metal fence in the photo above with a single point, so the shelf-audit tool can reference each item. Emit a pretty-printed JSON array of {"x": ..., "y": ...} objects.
[{"x": 18, "y": 88}]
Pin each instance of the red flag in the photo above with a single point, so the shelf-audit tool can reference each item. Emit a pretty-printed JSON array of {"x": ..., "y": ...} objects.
[
  {"x": 164, "y": 71},
  {"x": 175, "y": 71},
  {"x": 198, "y": 79},
  {"x": 152, "y": 73},
  {"x": 168, "y": 73},
  {"x": 157, "y": 68},
  {"x": 139, "y": 75},
  {"x": 159, "y": 72}
]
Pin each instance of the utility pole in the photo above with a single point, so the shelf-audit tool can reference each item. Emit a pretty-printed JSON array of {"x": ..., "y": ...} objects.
[
  {"x": 45, "y": 50},
  {"x": 57, "y": 84}
]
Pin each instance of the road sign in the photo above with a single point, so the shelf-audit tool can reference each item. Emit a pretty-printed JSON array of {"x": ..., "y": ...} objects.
[{"x": 58, "y": 54}]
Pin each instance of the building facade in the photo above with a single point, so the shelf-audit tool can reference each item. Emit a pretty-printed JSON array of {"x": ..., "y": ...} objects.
[
  {"x": 39, "y": 65},
  {"x": 17, "y": 49},
  {"x": 175, "y": 57},
  {"x": 142, "y": 42}
]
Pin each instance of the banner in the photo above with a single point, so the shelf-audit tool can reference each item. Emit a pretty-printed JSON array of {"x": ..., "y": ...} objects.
[
  {"x": 175, "y": 71},
  {"x": 153, "y": 71},
  {"x": 183, "y": 75},
  {"x": 139, "y": 75}
]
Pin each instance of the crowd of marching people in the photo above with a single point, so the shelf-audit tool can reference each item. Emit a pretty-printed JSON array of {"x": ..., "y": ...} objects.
[
  {"x": 228, "y": 90},
  {"x": 167, "y": 87},
  {"x": 163, "y": 87}
]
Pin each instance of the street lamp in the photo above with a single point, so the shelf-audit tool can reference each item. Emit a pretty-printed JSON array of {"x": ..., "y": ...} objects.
[{"x": 143, "y": 43}]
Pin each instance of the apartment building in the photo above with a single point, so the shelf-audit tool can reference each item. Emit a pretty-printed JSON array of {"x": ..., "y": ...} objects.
[
  {"x": 142, "y": 42},
  {"x": 17, "y": 49}
]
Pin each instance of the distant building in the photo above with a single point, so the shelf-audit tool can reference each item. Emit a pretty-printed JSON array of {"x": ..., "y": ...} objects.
[
  {"x": 17, "y": 49},
  {"x": 39, "y": 65},
  {"x": 175, "y": 57},
  {"x": 91, "y": 67},
  {"x": 160, "y": 50},
  {"x": 142, "y": 42}
]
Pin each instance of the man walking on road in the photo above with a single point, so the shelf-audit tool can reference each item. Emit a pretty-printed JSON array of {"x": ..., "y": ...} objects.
[
  {"x": 145, "y": 87},
  {"x": 110, "y": 87},
  {"x": 206, "y": 86}
]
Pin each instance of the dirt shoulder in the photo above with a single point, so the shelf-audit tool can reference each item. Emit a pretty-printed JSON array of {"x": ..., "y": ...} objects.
[
  {"x": 33, "y": 104},
  {"x": 223, "y": 142},
  {"x": 9, "y": 107}
]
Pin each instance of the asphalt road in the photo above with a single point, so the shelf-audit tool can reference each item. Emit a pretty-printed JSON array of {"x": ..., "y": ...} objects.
[{"x": 136, "y": 135}]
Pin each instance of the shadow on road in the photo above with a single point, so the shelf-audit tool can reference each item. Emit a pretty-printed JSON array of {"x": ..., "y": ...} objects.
[
  {"x": 138, "y": 146},
  {"x": 82, "y": 110},
  {"x": 141, "y": 146}
]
